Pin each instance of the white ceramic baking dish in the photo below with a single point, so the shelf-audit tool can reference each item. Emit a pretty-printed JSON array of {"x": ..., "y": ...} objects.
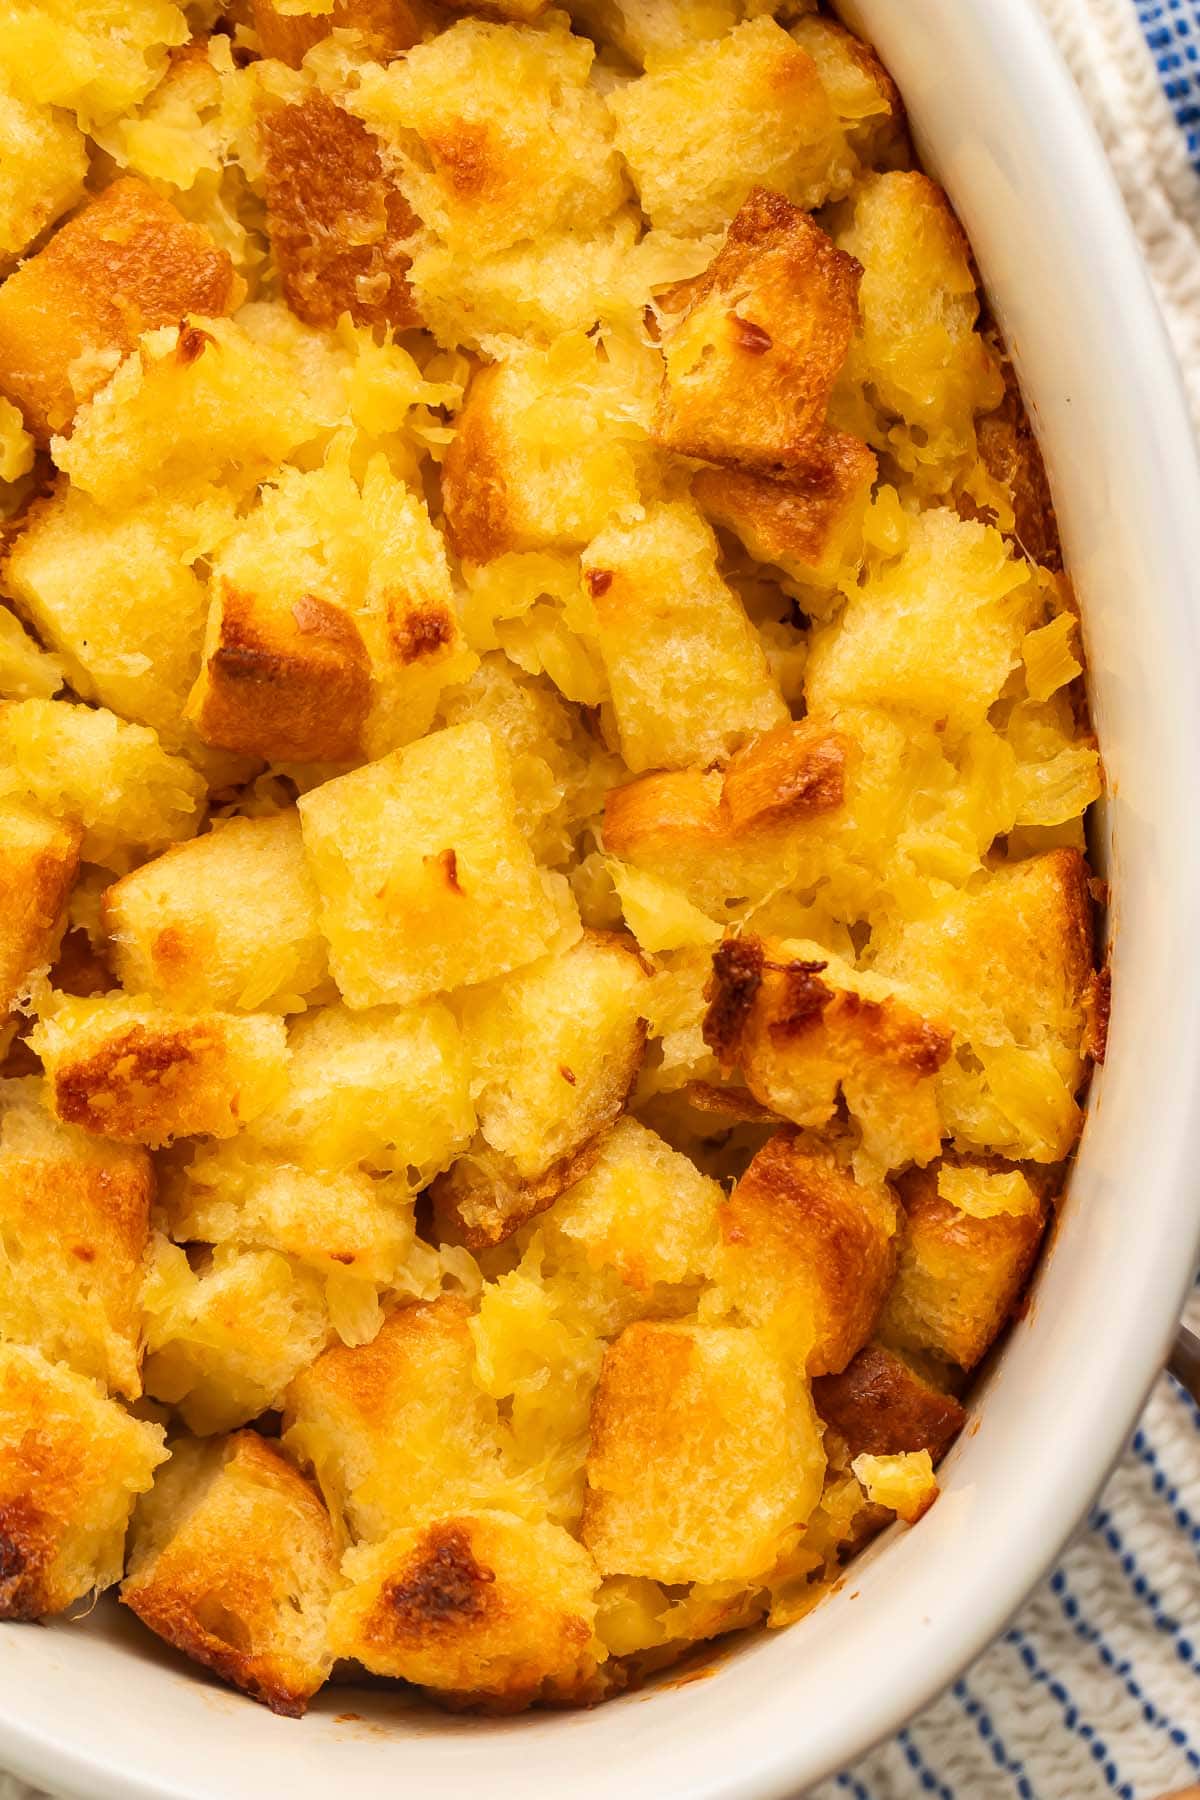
[{"x": 101, "y": 1711}]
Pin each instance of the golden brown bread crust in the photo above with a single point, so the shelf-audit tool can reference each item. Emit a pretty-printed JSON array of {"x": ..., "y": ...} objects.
[
  {"x": 1009, "y": 450},
  {"x": 804, "y": 522},
  {"x": 753, "y": 346},
  {"x": 285, "y": 687},
  {"x": 959, "y": 1277},
  {"x": 336, "y": 224},
  {"x": 479, "y": 521},
  {"x": 797, "y": 1223},
  {"x": 794, "y": 772},
  {"x": 881, "y": 1406},
  {"x": 127, "y": 263},
  {"x": 483, "y": 1199},
  {"x": 257, "y": 1546},
  {"x": 39, "y": 860},
  {"x": 389, "y": 26}
]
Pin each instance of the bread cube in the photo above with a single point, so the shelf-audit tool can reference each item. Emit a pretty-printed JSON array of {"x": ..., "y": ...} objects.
[
  {"x": 43, "y": 162},
  {"x": 861, "y": 92},
  {"x": 960, "y": 1275},
  {"x": 94, "y": 57},
  {"x": 880, "y": 1405},
  {"x": 687, "y": 670},
  {"x": 86, "y": 766},
  {"x": 485, "y": 1609},
  {"x": 125, "y": 264},
  {"x": 72, "y": 1462},
  {"x": 705, "y": 1456},
  {"x": 227, "y": 922},
  {"x": 656, "y": 31},
  {"x": 342, "y": 1223},
  {"x": 388, "y": 27},
  {"x": 809, "y": 523},
  {"x": 75, "y": 1222},
  {"x": 718, "y": 836},
  {"x": 389, "y": 1085},
  {"x": 645, "y": 1211},
  {"x": 936, "y": 633},
  {"x": 199, "y": 402},
  {"x": 399, "y": 1428},
  {"x": 425, "y": 880},
  {"x": 753, "y": 346},
  {"x": 1008, "y": 963},
  {"x": 337, "y": 225},
  {"x": 919, "y": 356},
  {"x": 128, "y": 1069},
  {"x": 808, "y": 1248},
  {"x": 226, "y": 1332},
  {"x": 115, "y": 595},
  {"x": 39, "y": 860},
  {"x": 1009, "y": 451},
  {"x": 546, "y": 450},
  {"x": 498, "y": 134},
  {"x": 234, "y": 1562},
  {"x": 807, "y": 1030},
  {"x": 747, "y": 111},
  {"x": 27, "y": 672},
  {"x": 906, "y": 1484},
  {"x": 555, "y": 1050},
  {"x": 333, "y": 627}
]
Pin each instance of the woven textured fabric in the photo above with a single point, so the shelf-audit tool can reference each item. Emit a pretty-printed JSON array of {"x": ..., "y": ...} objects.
[{"x": 1095, "y": 1691}]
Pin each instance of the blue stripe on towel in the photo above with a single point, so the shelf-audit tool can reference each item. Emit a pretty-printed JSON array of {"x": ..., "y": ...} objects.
[{"x": 1172, "y": 29}]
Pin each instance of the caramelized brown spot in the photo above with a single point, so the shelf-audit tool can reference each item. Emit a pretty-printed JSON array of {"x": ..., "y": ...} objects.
[
  {"x": 461, "y": 155},
  {"x": 599, "y": 581},
  {"x": 84, "y": 1252},
  {"x": 567, "y": 1074},
  {"x": 192, "y": 342},
  {"x": 737, "y": 976},
  {"x": 422, "y": 632},
  {"x": 447, "y": 862},
  {"x": 749, "y": 336},
  {"x": 803, "y": 999},
  {"x": 444, "y": 1588},
  {"x": 1097, "y": 1004}
]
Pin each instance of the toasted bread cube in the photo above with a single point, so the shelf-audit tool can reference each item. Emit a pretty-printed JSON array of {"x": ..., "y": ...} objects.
[
  {"x": 745, "y": 112},
  {"x": 1009, "y": 451},
  {"x": 387, "y": 27},
  {"x": 333, "y": 626},
  {"x": 643, "y": 1210},
  {"x": 545, "y": 452},
  {"x": 960, "y": 1275},
  {"x": 657, "y": 31},
  {"x": 43, "y": 162},
  {"x": 85, "y": 765},
  {"x": 936, "y": 633},
  {"x": 1009, "y": 964},
  {"x": 705, "y": 1455},
  {"x": 881, "y": 1406},
  {"x": 127, "y": 1069},
  {"x": 805, "y": 1244},
  {"x": 72, "y": 1462},
  {"x": 399, "y": 1427},
  {"x": 95, "y": 57},
  {"x": 389, "y": 1085},
  {"x": 807, "y": 1030},
  {"x": 555, "y": 1050},
  {"x": 27, "y": 672},
  {"x": 425, "y": 880},
  {"x": 337, "y": 225},
  {"x": 75, "y": 1223},
  {"x": 809, "y": 523},
  {"x": 688, "y": 673},
  {"x": 225, "y": 1337},
  {"x": 39, "y": 860},
  {"x": 719, "y": 836},
  {"x": 234, "y": 1562},
  {"x": 905, "y": 1483},
  {"x": 200, "y": 401},
  {"x": 484, "y": 1608},
  {"x": 126, "y": 264},
  {"x": 919, "y": 354},
  {"x": 498, "y": 133},
  {"x": 116, "y": 597},
  {"x": 227, "y": 922},
  {"x": 342, "y": 1223},
  {"x": 862, "y": 93},
  {"x": 753, "y": 346}
]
